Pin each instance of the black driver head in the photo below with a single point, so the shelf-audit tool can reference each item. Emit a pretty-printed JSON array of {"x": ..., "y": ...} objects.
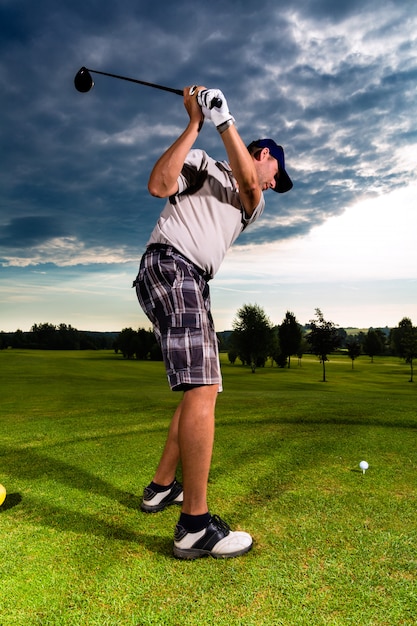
[{"x": 83, "y": 81}]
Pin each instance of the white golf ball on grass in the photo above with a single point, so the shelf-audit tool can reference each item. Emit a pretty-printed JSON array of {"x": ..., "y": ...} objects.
[{"x": 364, "y": 466}]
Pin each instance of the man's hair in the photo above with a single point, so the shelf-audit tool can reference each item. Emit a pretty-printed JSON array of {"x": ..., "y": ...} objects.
[{"x": 253, "y": 148}]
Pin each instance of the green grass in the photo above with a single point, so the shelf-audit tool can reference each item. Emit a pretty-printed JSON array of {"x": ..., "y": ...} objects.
[{"x": 81, "y": 434}]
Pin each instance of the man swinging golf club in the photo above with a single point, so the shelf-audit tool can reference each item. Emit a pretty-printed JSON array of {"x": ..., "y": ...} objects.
[{"x": 209, "y": 204}]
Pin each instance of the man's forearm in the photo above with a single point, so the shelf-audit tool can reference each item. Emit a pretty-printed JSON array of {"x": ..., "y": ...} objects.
[
  {"x": 164, "y": 176},
  {"x": 243, "y": 169}
]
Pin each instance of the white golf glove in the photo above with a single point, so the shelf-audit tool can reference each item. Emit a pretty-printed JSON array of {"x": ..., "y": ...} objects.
[{"x": 209, "y": 101}]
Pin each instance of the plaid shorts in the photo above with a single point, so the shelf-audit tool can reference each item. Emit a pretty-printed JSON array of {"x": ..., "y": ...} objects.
[{"x": 176, "y": 298}]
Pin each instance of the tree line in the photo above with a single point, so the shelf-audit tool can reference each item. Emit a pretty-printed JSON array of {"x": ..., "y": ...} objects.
[
  {"x": 47, "y": 336},
  {"x": 254, "y": 340},
  {"x": 139, "y": 344}
]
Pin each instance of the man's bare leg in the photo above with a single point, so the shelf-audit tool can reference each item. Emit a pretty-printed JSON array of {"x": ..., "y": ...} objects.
[
  {"x": 190, "y": 438},
  {"x": 198, "y": 533},
  {"x": 166, "y": 470},
  {"x": 195, "y": 438}
]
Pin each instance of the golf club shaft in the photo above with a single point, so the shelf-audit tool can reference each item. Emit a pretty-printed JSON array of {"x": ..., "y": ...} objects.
[{"x": 179, "y": 92}]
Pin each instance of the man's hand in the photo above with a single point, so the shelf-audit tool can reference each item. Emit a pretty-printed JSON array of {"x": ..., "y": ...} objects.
[
  {"x": 220, "y": 116},
  {"x": 163, "y": 181},
  {"x": 192, "y": 105}
]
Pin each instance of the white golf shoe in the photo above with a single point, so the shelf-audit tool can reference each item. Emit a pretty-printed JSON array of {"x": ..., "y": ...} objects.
[
  {"x": 154, "y": 501},
  {"x": 216, "y": 540}
]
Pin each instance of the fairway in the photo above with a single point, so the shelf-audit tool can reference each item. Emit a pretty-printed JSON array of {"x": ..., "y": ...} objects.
[{"x": 81, "y": 433}]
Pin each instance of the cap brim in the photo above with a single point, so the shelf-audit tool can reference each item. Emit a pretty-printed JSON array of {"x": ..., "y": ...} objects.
[{"x": 283, "y": 182}]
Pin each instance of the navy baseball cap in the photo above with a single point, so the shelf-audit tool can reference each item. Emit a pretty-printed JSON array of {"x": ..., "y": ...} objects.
[{"x": 283, "y": 181}]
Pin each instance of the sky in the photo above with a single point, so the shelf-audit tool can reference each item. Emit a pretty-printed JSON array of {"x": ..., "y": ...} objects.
[{"x": 335, "y": 83}]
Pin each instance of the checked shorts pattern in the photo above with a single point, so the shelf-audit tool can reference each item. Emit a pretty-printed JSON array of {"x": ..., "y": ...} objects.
[{"x": 176, "y": 298}]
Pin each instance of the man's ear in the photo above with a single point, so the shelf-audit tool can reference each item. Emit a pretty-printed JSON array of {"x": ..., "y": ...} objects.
[{"x": 261, "y": 154}]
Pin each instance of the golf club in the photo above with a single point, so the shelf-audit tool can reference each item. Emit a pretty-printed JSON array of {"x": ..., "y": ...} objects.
[{"x": 83, "y": 82}]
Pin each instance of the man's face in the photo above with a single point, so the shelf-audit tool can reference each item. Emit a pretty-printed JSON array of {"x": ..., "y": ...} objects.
[{"x": 266, "y": 168}]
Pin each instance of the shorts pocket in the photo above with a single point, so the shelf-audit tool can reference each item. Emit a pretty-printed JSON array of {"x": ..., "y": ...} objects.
[
  {"x": 184, "y": 320},
  {"x": 185, "y": 343}
]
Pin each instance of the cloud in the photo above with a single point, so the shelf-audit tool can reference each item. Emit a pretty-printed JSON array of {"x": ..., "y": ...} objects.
[{"x": 22, "y": 232}]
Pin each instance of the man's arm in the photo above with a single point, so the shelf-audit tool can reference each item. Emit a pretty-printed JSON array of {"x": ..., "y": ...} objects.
[
  {"x": 243, "y": 169},
  {"x": 163, "y": 181},
  {"x": 241, "y": 162}
]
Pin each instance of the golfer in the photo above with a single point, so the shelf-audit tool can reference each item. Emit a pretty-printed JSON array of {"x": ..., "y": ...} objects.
[{"x": 209, "y": 203}]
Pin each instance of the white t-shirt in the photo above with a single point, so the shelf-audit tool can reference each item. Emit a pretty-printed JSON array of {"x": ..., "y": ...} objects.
[{"x": 205, "y": 217}]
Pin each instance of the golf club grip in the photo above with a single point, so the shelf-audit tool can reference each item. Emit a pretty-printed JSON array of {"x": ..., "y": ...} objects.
[{"x": 216, "y": 102}]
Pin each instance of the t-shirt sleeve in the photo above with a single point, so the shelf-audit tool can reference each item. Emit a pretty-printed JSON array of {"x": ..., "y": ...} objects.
[
  {"x": 259, "y": 209},
  {"x": 194, "y": 171}
]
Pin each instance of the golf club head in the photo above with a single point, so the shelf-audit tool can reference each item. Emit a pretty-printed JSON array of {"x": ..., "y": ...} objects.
[{"x": 83, "y": 81}]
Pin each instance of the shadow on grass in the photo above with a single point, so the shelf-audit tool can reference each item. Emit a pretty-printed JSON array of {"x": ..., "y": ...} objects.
[
  {"x": 32, "y": 466},
  {"x": 12, "y": 500},
  {"x": 63, "y": 519}
]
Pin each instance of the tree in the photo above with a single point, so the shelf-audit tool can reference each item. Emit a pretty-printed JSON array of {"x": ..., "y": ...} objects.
[
  {"x": 302, "y": 349},
  {"x": 323, "y": 338},
  {"x": 342, "y": 334},
  {"x": 397, "y": 335},
  {"x": 44, "y": 336},
  {"x": 290, "y": 335},
  {"x": 127, "y": 342},
  {"x": 252, "y": 335},
  {"x": 353, "y": 348},
  {"x": 155, "y": 353},
  {"x": 19, "y": 339},
  {"x": 374, "y": 343},
  {"x": 276, "y": 354},
  {"x": 404, "y": 339},
  {"x": 50, "y": 337},
  {"x": 143, "y": 344},
  {"x": 232, "y": 355},
  {"x": 409, "y": 345},
  {"x": 140, "y": 344},
  {"x": 68, "y": 337}
]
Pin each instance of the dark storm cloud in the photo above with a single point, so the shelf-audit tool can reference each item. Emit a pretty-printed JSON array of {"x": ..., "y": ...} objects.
[
  {"x": 30, "y": 231},
  {"x": 75, "y": 166}
]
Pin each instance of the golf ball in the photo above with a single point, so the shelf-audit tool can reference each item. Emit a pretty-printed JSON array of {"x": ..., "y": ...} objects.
[
  {"x": 363, "y": 465},
  {"x": 2, "y": 494}
]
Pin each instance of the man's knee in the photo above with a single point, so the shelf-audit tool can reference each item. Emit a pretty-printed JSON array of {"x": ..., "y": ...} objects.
[{"x": 201, "y": 394}]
